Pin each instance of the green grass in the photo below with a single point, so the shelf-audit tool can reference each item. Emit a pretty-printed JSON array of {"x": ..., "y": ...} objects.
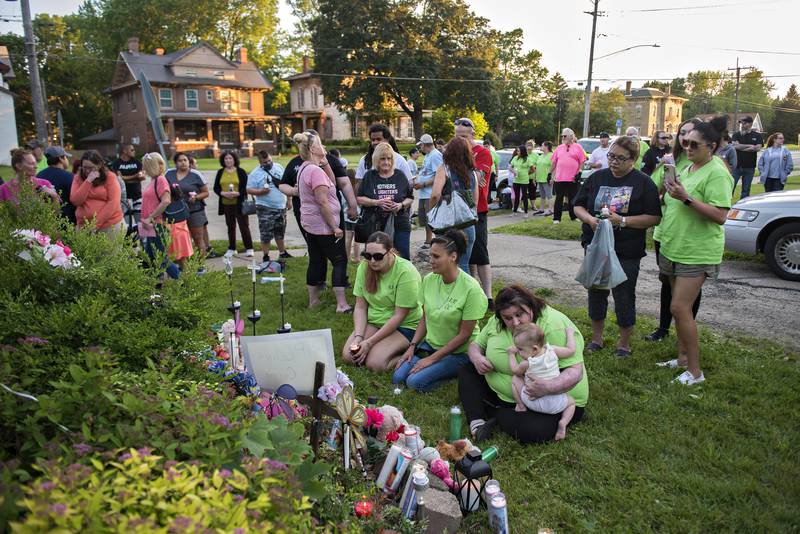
[
  {"x": 212, "y": 164},
  {"x": 6, "y": 173},
  {"x": 648, "y": 456},
  {"x": 220, "y": 246}
]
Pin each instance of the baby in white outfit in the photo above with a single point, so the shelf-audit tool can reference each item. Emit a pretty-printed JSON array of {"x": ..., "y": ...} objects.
[{"x": 540, "y": 360}]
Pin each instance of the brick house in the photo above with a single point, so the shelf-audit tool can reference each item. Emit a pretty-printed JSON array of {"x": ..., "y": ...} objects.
[
  {"x": 8, "y": 121},
  {"x": 207, "y": 102},
  {"x": 649, "y": 110}
]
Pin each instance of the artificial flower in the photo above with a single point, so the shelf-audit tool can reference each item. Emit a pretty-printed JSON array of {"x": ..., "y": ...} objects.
[
  {"x": 374, "y": 418},
  {"x": 329, "y": 392},
  {"x": 342, "y": 379}
]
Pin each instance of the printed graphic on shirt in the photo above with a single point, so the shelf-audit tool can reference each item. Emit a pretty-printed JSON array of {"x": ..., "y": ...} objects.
[
  {"x": 386, "y": 190},
  {"x": 617, "y": 199}
]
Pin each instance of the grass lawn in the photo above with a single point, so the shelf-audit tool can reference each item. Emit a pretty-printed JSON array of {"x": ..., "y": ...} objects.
[
  {"x": 212, "y": 164},
  {"x": 648, "y": 456}
]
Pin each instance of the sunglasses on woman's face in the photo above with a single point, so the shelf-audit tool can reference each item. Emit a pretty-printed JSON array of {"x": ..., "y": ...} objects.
[
  {"x": 378, "y": 256},
  {"x": 694, "y": 145}
]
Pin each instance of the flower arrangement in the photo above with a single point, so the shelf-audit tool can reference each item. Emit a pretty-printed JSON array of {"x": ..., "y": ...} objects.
[
  {"x": 331, "y": 390},
  {"x": 40, "y": 245}
]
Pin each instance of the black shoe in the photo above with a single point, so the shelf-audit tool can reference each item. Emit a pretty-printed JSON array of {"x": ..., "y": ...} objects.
[
  {"x": 285, "y": 254},
  {"x": 484, "y": 431},
  {"x": 657, "y": 335},
  {"x": 210, "y": 253},
  {"x": 490, "y": 307}
]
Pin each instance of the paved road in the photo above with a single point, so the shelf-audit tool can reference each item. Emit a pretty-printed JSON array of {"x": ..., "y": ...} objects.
[{"x": 746, "y": 299}]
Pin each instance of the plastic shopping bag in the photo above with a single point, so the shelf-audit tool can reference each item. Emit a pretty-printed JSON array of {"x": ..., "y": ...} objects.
[{"x": 600, "y": 268}]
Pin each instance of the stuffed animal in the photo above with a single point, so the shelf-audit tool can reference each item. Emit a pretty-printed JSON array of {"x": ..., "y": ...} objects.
[
  {"x": 441, "y": 469},
  {"x": 454, "y": 451},
  {"x": 393, "y": 421},
  {"x": 429, "y": 454}
]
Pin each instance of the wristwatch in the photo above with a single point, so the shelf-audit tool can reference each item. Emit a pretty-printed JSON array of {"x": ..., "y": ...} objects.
[
  {"x": 623, "y": 223},
  {"x": 688, "y": 201}
]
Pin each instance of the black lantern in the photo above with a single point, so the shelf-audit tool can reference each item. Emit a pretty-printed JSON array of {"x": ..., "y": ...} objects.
[{"x": 471, "y": 475}]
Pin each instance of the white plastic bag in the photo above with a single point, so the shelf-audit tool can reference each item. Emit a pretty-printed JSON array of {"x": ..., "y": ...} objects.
[{"x": 600, "y": 268}]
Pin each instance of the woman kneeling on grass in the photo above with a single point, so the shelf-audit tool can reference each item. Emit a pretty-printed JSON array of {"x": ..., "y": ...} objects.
[
  {"x": 387, "y": 309},
  {"x": 485, "y": 387},
  {"x": 452, "y": 302}
]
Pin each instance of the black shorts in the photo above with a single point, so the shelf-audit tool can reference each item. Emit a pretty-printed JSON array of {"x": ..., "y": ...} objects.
[{"x": 480, "y": 250}]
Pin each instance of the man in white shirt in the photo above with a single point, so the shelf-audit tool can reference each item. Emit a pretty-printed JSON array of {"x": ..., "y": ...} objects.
[
  {"x": 599, "y": 157},
  {"x": 379, "y": 133},
  {"x": 413, "y": 155}
]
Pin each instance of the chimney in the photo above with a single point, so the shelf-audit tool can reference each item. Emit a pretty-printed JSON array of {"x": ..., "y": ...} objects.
[
  {"x": 628, "y": 87},
  {"x": 669, "y": 89},
  {"x": 159, "y": 51},
  {"x": 241, "y": 55},
  {"x": 596, "y": 88},
  {"x": 306, "y": 67},
  {"x": 133, "y": 45}
]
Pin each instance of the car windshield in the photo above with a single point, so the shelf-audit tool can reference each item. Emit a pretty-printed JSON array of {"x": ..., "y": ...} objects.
[
  {"x": 589, "y": 144},
  {"x": 505, "y": 158}
]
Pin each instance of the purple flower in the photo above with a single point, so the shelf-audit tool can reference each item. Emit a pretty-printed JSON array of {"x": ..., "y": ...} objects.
[
  {"x": 48, "y": 485},
  {"x": 274, "y": 464},
  {"x": 329, "y": 392},
  {"x": 125, "y": 456},
  {"x": 82, "y": 449},
  {"x": 343, "y": 380},
  {"x": 58, "y": 508},
  {"x": 225, "y": 473},
  {"x": 145, "y": 451},
  {"x": 181, "y": 524},
  {"x": 221, "y": 420},
  {"x": 32, "y": 340}
]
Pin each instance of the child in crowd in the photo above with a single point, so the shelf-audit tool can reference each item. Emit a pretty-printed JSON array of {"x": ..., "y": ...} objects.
[{"x": 540, "y": 360}]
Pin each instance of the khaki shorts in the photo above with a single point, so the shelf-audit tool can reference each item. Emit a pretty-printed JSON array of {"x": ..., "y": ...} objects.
[{"x": 671, "y": 268}]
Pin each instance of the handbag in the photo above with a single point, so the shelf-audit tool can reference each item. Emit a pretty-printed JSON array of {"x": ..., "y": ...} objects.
[
  {"x": 367, "y": 224},
  {"x": 388, "y": 228},
  {"x": 177, "y": 210},
  {"x": 249, "y": 206},
  {"x": 453, "y": 211}
]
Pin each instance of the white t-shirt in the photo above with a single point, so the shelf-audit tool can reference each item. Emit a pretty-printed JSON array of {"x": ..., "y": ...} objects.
[
  {"x": 544, "y": 366},
  {"x": 400, "y": 164},
  {"x": 600, "y": 155}
]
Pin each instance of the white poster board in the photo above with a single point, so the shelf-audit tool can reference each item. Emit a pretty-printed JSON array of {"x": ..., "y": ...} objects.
[{"x": 289, "y": 359}]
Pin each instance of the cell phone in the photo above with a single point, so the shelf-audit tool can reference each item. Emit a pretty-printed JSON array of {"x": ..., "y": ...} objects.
[{"x": 669, "y": 174}]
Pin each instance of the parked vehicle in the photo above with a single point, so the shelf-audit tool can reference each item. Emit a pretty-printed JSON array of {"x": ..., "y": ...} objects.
[{"x": 768, "y": 223}]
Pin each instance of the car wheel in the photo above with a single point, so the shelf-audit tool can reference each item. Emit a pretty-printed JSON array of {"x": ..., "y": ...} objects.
[{"x": 782, "y": 251}]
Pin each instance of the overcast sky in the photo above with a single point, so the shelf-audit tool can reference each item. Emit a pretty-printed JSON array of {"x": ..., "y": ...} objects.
[{"x": 692, "y": 35}]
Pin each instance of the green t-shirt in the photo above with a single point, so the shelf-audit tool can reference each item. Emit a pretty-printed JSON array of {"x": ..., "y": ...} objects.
[
  {"x": 685, "y": 235},
  {"x": 229, "y": 178},
  {"x": 494, "y": 344},
  {"x": 495, "y": 160},
  {"x": 446, "y": 305},
  {"x": 399, "y": 288},
  {"x": 658, "y": 179},
  {"x": 522, "y": 168},
  {"x": 41, "y": 165},
  {"x": 544, "y": 165},
  {"x": 643, "y": 148}
]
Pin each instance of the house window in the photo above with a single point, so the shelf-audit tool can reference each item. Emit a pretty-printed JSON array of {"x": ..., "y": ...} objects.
[
  {"x": 354, "y": 127},
  {"x": 314, "y": 97},
  {"x": 165, "y": 98},
  {"x": 410, "y": 129},
  {"x": 192, "y": 99},
  {"x": 225, "y": 99},
  {"x": 131, "y": 97},
  {"x": 210, "y": 96},
  {"x": 301, "y": 100},
  {"x": 245, "y": 101},
  {"x": 638, "y": 112}
]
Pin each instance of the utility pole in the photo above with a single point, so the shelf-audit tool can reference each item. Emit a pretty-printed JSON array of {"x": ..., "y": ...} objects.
[
  {"x": 588, "y": 96},
  {"x": 33, "y": 67},
  {"x": 738, "y": 70}
]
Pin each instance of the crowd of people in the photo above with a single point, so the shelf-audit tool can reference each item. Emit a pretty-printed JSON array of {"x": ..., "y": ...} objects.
[{"x": 522, "y": 371}]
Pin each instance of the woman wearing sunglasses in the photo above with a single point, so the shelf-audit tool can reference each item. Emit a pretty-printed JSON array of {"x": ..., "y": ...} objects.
[
  {"x": 692, "y": 238},
  {"x": 655, "y": 153},
  {"x": 387, "y": 309}
]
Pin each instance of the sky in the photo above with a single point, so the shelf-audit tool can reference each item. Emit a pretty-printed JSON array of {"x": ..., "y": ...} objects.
[{"x": 692, "y": 35}]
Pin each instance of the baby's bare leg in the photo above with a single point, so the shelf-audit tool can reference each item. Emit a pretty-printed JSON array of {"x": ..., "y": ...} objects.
[
  {"x": 566, "y": 417},
  {"x": 517, "y": 383}
]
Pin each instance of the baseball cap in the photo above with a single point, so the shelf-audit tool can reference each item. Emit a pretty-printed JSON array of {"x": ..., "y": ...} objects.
[
  {"x": 746, "y": 119},
  {"x": 56, "y": 152},
  {"x": 34, "y": 143},
  {"x": 604, "y": 134},
  {"x": 426, "y": 139}
]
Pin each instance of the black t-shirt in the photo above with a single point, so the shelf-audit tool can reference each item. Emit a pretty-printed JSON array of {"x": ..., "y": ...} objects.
[
  {"x": 62, "y": 182},
  {"x": 395, "y": 187},
  {"x": 290, "y": 178},
  {"x": 127, "y": 169},
  {"x": 747, "y": 160},
  {"x": 652, "y": 158},
  {"x": 633, "y": 194}
]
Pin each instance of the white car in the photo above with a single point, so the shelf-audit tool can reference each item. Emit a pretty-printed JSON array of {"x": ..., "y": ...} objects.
[
  {"x": 768, "y": 223},
  {"x": 589, "y": 144},
  {"x": 504, "y": 164}
]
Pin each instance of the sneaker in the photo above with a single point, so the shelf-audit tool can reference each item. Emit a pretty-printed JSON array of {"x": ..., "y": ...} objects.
[
  {"x": 687, "y": 379},
  {"x": 556, "y": 222},
  {"x": 538, "y": 212},
  {"x": 210, "y": 253},
  {"x": 230, "y": 253},
  {"x": 250, "y": 253},
  {"x": 656, "y": 335},
  {"x": 285, "y": 254},
  {"x": 670, "y": 364},
  {"x": 201, "y": 271},
  {"x": 484, "y": 432}
]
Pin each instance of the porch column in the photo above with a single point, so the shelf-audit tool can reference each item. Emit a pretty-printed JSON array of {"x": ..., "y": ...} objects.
[
  {"x": 275, "y": 146},
  {"x": 322, "y": 125},
  {"x": 241, "y": 132},
  {"x": 282, "y": 136},
  {"x": 171, "y": 131},
  {"x": 209, "y": 132}
]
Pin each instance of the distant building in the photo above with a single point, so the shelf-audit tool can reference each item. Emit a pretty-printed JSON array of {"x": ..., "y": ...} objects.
[
  {"x": 8, "y": 120},
  {"x": 308, "y": 109},
  {"x": 732, "y": 126},
  {"x": 207, "y": 102},
  {"x": 650, "y": 110}
]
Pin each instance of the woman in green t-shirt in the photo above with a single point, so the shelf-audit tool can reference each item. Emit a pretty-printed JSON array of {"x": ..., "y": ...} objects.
[
  {"x": 387, "y": 308},
  {"x": 523, "y": 187},
  {"x": 484, "y": 387},
  {"x": 452, "y": 302},
  {"x": 544, "y": 183},
  {"x": 692, "y": 238}
]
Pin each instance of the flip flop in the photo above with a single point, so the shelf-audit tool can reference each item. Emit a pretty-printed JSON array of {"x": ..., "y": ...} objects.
[
  {"x": 593, "y": 347},
  {"x": 348, "y": 310},
  {"x": 622, "y": 353}
]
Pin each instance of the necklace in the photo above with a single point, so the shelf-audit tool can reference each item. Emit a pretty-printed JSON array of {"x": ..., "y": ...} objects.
[{"x": 444, "y": 301}]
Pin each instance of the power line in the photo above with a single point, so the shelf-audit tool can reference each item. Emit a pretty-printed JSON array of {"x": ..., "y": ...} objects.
[{"x": 691, "y": 8}]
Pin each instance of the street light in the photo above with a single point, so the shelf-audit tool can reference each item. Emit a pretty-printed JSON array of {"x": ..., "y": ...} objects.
[{"x": 588, "y": 94}]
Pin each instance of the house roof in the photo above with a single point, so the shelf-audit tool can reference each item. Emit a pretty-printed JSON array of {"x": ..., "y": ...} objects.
[
  {"x": 105, "y": 135},
  {"x": 650, "y": 92},
  {"x": 158, "y": 69},
  {"x": 299, "y": 76},
  {"x": 5, "y": 63}
]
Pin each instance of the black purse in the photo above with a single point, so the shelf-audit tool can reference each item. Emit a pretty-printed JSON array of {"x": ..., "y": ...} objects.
[{"x": 368, "y": 223}]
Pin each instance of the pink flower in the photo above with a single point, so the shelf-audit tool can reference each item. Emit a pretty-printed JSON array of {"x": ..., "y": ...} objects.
[
  {"x": 329, "y": 392},
  {"x": 374, "y": 418},
  {"x": 56, "y": 257},
  {"x": 43, "y": 239}
]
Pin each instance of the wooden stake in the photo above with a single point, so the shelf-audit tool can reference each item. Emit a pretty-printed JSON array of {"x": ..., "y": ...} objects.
[{"x": 316, "y": 408}]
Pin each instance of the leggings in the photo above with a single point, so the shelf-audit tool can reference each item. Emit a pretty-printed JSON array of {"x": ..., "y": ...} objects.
[
  {"x": 322, "y": 248},
  {"x": 525, "y": 191},
  {"x": 481, "y": 402},
  {"x": 233, "y": 215},
  {"x": 155, "y": 245},
  {"x": 564, "y": 191},
  {"x": 665, "y": 315}
]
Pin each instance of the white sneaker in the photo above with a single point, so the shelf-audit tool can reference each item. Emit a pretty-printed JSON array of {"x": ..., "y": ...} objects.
[
  {"x": 670, "y": 364},
  {"x": 556, "y": 222},
  {"x": 230, "y": 253},
  {"x": 249, "y": 253},
  {"x": 687, "y": 379}
]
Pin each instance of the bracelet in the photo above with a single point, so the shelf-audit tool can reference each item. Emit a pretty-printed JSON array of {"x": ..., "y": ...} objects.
[
  {"x": 359, "y": 335},
  {"x": 323, "y": 164}
]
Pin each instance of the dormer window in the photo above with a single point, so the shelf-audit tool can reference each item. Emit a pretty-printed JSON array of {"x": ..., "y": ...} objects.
[
  {"x": 219, "y": 74},
  {"x": 191, "y": 73}
]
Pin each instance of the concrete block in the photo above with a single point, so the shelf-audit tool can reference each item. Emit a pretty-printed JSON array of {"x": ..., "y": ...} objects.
[{"x": 442, "y": 512}]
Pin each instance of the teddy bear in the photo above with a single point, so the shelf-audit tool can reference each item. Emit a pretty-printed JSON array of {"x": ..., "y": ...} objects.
[
  {"x": 393, "y": 423},
  {"x": 454, "y": 451}
]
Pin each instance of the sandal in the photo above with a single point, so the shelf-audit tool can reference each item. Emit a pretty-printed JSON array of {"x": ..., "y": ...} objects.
[
  {"x": 348, "y": 310},
  {"x": 622, "y": 353},
  {"x": 593, "y": 347}
]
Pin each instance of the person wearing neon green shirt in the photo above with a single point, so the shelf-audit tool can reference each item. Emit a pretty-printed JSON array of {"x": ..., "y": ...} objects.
[
  {"x": 485, "y": 385},
  {"x": 523, "y": 165},
  {"x": 387, "y": 309},
  {"x": 544, "y": 183},
  {"x": 692, "y": 238},
  {"x": 452, "y": 303}
]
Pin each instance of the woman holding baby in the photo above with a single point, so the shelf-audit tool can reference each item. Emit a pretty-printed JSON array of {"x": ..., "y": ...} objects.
[{"x": 485, "y": 387}]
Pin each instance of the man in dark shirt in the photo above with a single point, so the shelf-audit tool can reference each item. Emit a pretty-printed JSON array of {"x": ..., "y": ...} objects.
[
  {"x": 747, "y": 143},
  {"x": 130, "y": 170},
  {"x": 57, "y": 174}
]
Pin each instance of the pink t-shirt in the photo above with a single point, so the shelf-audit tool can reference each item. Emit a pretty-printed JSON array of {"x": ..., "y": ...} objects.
[
  {"x": 8, "y": 191},
  {"x": 150, "y": 202},
  {"x": 309, "y": 177},
  {"x": 567, "y": 161}
]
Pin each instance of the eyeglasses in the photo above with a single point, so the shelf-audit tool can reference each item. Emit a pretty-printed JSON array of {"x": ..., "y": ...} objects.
[
  {"x": 464, "y": 122},
  {"x": 618, "y": 159},
  {"x": 694, "y": 145},
  {"x": 563, "y": 136},
  {"x": 378, "y": 256},
  {"x": 663, "y": 138}
]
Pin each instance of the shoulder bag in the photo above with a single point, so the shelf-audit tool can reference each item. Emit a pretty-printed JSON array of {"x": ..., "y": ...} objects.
[{"x": 455, "y": 210}]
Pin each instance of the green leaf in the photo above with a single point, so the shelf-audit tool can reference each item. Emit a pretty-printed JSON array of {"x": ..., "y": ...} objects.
[
  {"x": 256, "y": 438},
  {"x": 309, "y": 474}
]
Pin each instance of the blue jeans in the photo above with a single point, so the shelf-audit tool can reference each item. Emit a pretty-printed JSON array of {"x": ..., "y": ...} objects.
[
  {"x": 463, "y": 261},
  {"x": 747, "y": 179},
  {"x": 156, "y": 244},
  {"x": 432, "y": 376},
  {"x": 402, "y": 243}
]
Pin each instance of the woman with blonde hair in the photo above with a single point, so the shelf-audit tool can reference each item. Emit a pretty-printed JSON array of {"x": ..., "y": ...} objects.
[
  {"x": 567, "y": 160},
  {"x": 386, "y": 191},
  {"x": 319, "y": 217},
  {"x": 156, "y": 198}
]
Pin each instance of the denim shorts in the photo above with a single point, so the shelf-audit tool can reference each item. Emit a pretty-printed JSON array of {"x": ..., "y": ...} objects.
[
  {"x": 671, "y": 268},
  {"x": 407, "y": 333}
]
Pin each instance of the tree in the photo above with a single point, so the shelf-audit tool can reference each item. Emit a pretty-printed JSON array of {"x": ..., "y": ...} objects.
[
  {"x": 443, "y": 120},
  {"x": 411, "y": 56},
  {"x": 787, "y": 117}
]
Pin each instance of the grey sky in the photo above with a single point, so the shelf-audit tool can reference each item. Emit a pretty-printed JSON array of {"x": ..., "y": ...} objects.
[{"x": 691, "y": 35}]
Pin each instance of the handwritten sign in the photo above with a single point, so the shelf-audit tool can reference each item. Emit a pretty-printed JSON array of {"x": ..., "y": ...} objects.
[{"x": 289, "y": 359}]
